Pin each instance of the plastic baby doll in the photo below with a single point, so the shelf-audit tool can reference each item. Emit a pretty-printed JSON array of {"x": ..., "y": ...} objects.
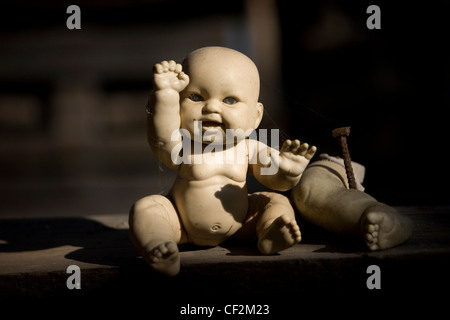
[{"x": 209, "y": 201}]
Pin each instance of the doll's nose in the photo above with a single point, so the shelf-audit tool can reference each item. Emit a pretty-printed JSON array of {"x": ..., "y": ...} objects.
[{"x": 212, "y": 106}]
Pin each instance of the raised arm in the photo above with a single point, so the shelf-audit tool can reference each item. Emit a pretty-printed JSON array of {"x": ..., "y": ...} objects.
[{"x": 163, "y": 110}]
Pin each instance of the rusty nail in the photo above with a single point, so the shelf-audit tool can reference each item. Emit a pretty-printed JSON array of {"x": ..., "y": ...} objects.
[{"x": 341, "y": 134}]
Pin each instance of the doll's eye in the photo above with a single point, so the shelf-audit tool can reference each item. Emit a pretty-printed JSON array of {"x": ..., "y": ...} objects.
[
  {"x": 195, "y": 97},
  {"x": 229, "y": 100}
]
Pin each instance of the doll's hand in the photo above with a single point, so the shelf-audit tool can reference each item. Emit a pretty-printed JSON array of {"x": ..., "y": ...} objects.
[
  {"x": 294, "y": 157},
  {"x": 169, "y": 75}
]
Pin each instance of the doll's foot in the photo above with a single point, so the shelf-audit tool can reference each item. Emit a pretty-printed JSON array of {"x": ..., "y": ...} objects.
[
  {"x": 383, "y": 227},
  {"x": 283, "y": 233},
  {"x": 164, "y": 258}
]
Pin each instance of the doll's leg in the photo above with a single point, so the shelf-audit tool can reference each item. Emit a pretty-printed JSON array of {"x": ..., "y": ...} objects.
[
  {"x": 323, "y": 198},
  {"x": 273, "y": 217},
  {"x": 155, "y": 230}
]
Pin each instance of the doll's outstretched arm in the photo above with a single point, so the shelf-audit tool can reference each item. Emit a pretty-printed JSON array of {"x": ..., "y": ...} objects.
[
  {"x": 163, "y": 110},
  {"x": 281, "y": 170}
]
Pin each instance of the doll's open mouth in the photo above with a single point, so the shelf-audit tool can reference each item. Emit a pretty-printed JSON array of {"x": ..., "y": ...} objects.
[{"x": 212, "y": 125}]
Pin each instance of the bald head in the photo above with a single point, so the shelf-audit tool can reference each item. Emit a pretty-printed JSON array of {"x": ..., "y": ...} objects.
[{"x": 222, "y": 64}]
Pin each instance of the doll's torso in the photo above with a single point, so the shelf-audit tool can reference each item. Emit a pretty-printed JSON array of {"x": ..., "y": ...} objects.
[{"x": 212, "y": 199}]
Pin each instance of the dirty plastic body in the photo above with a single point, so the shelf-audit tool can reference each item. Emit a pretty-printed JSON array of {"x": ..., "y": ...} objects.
[{"x": 202, "y": 116}]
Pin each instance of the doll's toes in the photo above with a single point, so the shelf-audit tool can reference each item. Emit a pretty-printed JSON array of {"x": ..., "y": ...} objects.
[{"x": 158, "y": 68}]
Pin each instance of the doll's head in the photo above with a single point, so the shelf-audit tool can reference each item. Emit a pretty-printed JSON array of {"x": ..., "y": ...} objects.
[{"x": 222, "y": 93}]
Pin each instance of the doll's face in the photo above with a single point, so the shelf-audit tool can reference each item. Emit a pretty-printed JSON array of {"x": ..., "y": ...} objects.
[{"x": 222, "y": 92}]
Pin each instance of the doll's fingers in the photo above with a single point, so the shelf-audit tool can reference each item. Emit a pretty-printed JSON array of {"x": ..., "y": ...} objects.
[
  {"x": 295, "y": 146},
  {"x": 172, "y": 65},
  {"x": 286, "y": 145},
  {"x": 303, "y": 149},
  {"x": 165, "y": 66},
  {"x": 178, "y": 68},
  {"x": 183, "y": 76},
  {"x": 310, "y": 152}
]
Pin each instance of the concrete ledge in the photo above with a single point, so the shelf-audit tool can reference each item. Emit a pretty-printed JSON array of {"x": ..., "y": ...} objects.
[{"x": 35, "y": 254}]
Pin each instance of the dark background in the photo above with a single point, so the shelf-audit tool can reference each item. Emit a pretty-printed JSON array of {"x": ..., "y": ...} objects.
[
  {"x": 390, "y": 85},
  {"x": 72, "y": 102}
]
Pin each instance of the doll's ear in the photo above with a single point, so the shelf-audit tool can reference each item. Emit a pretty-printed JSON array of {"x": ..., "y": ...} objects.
[{"x": 259, "y": 115}]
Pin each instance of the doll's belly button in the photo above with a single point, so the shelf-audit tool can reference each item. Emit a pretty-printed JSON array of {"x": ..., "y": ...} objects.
[{"x": 216, "y": 227}]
